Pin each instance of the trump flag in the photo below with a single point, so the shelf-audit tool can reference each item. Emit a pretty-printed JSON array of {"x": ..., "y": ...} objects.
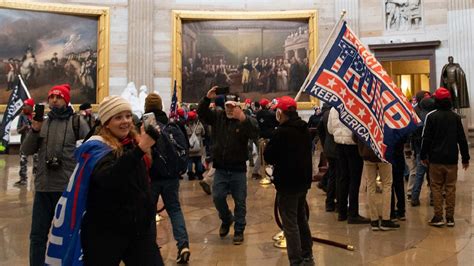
[{"x": 349, "y": 78}]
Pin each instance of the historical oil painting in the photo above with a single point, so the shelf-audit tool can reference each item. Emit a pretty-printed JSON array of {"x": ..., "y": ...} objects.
[
  {"x": 46, "y": 49},
  {"x": 254, "y": 58}
]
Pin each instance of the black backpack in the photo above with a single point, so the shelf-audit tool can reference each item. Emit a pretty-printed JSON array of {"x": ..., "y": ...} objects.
[{"x": 170, "y": 154}]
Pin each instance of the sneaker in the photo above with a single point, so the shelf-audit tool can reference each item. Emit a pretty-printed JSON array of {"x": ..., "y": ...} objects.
[
  {"x": 436, "y": 221},
  {"x": 22, "y": 182},
  {"x": 393, "y": 218},
  {"x": 224, "y": 230},
  {"x": 415, "y": 202},
  {"x": 238, "y": 238},
  {"x": 205, "y": 187},
  {"x": 401, "y": 217},
  {"x": 308, "y": 261},
  {"x": 387, "y": 225},
  {"x": 450, "y": 221},
  {"x": 358, "y": 220},
  {"x": 375, "y": 225},
  {"x": 183, "y": 255}
]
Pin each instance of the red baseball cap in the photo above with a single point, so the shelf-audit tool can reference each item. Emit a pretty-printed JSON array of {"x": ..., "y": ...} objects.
[
  {"x": 192, "y": 115},
  {"x": 442, "y": 93},
  {"x": 180, "y": 112},
  {"x": 62, "y": 91},
  {"x": 29, "y": 102},
  {"x": 286, "y": 102},
  {"x": 264, "y": 102},
  {"x": 248, "y": 101}
]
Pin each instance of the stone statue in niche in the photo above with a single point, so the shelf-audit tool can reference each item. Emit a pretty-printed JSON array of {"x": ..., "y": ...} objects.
[
  {"x": 454, "y": 79},
  {"x": 402, "y": 15}
]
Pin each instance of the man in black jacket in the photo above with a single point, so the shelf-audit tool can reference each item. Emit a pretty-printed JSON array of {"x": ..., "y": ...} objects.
[
  {"x": 442, "y": 133},
  {"x": 232, "y": 130},
  {"x": 289, "y": 151}
]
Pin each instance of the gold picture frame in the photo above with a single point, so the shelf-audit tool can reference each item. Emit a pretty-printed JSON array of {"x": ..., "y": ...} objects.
[
  {"x": 178, "y": 16},
  {"x": 102, "y": 14}
]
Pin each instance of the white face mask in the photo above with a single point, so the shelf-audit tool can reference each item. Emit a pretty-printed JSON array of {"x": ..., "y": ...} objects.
[{"x": 278, "y": 115}]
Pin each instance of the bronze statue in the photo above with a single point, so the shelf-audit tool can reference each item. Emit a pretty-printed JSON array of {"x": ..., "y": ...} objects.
[{"x": 454, "y": 79}]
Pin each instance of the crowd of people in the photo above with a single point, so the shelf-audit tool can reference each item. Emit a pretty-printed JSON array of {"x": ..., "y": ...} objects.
[{"x": 136, "y": 162}]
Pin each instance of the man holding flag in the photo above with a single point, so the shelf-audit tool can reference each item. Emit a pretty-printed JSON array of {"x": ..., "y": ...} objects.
[
  {"x": 364, "y": 97},
  {"x": 349, "y": 78},
  {"x": 14, "y": 107}
]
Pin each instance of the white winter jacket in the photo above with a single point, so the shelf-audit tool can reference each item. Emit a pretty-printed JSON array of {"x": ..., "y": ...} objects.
[{"x": 341, "y": 133}]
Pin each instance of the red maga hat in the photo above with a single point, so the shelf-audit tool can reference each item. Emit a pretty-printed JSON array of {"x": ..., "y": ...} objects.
[
  {"x": 62, "y": 91},
  {"x": 286, "y": 102},
  {"x": 442, "y": 93}
]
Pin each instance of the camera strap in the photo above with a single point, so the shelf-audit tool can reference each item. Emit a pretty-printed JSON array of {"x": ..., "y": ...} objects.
[{"x": 47, "y": 137}]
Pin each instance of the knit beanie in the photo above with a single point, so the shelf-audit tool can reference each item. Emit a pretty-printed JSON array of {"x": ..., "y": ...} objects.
[
  {"x": 62, "y": 91},
  {"x": 112, "y": 105},
  {"x": 153, "y": 102}
]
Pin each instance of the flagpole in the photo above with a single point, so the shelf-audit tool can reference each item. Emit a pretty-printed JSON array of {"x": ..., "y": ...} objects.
[
  {"x": 24, "y": 86},
  {"x": 343, "y": 13}
]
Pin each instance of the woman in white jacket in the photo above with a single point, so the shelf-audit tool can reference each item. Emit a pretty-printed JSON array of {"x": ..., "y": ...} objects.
[{"x": 349, "y": 171}]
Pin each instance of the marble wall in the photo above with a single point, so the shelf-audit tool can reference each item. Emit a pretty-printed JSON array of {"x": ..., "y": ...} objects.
[{"x": 147, "y": 58}]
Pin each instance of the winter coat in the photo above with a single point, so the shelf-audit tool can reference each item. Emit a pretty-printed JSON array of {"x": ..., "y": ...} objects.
[
  {"x": 229, "y": 137},
  {"x": 119, "y": 198},
  {"x": 289, "y": 151},
  {"x": 341, "y": 133},
  {"x": 50, "y": 139},
  {"x": 442, "y": 133}
]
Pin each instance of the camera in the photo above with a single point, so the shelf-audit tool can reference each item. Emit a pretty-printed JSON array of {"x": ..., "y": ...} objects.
[{"x": 53, "y": 163}]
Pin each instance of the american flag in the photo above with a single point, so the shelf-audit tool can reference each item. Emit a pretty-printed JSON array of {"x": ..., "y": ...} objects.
[
  {"x": 349, "y": 78},
  {"x": 174, "y": 102}
]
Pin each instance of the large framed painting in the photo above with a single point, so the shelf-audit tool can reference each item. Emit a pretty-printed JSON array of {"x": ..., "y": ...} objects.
[
  {"x": 50, "y": 44},
  {"x": 255, "y": 54}
]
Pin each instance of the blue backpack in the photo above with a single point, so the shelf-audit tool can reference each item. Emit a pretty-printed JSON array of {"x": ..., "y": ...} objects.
[{"x": 170, "y": 154}]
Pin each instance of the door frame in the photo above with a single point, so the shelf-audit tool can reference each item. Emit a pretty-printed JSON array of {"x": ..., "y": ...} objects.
[{"x": 409, "y": 51}]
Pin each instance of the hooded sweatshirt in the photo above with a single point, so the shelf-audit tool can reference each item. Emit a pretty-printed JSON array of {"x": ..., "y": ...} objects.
[{"x": 289, "y": 151}]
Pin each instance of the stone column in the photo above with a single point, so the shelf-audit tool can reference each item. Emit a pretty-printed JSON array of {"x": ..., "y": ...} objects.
[
  {"x": 352, "y": 15},
  {"x": 140, "y": 43},
  {"x": 460, "y": 37}
]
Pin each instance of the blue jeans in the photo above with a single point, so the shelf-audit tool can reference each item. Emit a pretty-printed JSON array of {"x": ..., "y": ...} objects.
[
  {"x": 169, "y": 191},
  {"x": 44, "y": 204},
  {"x": 236, "y": 183},
  {"x": 196, "y": 160},
  {"x": 419, "y": 177}
]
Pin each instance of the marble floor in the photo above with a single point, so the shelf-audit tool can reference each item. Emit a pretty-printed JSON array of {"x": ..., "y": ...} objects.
[{"x": 416, "y": 243}]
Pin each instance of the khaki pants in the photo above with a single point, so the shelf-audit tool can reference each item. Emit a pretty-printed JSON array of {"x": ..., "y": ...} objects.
[
  {"x": 443, "y": 175},
  {"x": 370, "y": 173}
]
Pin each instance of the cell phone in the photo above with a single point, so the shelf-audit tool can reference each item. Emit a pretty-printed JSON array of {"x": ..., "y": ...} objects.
[
  {"x": 222, "y": 90},
  {"x": 39, "y": 112},
  {"x": 149, "y": 119}
]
